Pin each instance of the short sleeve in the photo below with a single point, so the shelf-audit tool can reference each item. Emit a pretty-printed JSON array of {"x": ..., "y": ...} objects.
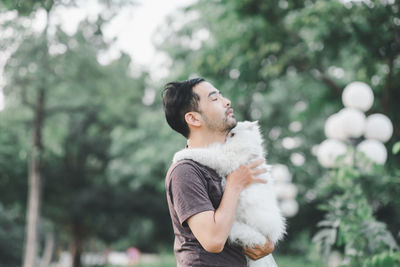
[{"x": 188, "y": 192}]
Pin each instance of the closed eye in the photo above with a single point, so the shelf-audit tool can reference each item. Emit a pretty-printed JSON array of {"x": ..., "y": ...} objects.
[{"x": 216, "y": 95}]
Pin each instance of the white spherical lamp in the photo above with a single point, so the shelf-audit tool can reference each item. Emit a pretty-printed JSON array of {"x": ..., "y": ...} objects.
[
  {"x": 334, "y": 127},
  {"x": 358, "y": 95},
  {"x": 353, "y": 122},
  {"x": 329, "y": 150},
  {"x": 289, "y": 207},
  {"x": 374, "y": 150},
  {"x": 280, "y": 173},
  {"x": 379, "y": 127}
]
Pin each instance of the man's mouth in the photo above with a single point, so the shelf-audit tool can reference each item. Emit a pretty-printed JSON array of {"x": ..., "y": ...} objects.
[{"x": 229, "y": 111}]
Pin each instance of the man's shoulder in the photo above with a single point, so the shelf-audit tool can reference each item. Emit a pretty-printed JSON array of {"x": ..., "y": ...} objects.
[
  {"x": 191, "y": 164},
  {"x": 183, "y": 167},
  {"x": 187, "y": 171}
]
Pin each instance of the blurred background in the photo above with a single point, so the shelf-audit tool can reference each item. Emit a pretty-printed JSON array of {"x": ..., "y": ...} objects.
[{"x": 84, "y": 146}]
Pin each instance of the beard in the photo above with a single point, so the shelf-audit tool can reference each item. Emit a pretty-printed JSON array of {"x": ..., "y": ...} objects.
[{"x": 223, "y": 125}]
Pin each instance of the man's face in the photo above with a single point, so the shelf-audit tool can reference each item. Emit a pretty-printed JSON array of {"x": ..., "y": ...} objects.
[{"x": 215, "y": 110}]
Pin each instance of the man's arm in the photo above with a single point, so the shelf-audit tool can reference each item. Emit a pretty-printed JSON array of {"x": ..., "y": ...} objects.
[{"x": 211, "y": 228}]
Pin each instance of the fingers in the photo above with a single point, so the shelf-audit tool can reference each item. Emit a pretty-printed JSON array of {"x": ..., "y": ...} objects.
[
  {"x": 259, "y": 181},
  {"x": 256, "y": 163},
  {"x": 269, "y": 247},
  {"x": 246, "y": 175},
  {"x": 250, "y": 253},
  {"x": 252, "y": 256},
  {"x": 258, "y": 171},
  {"x": 255, "y": 253}
]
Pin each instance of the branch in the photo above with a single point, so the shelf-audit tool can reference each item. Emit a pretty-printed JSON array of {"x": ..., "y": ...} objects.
[
  {"x": 337, "y": 89},
  {"x": 25, "y": 100},
  {"x": 328, "y": 81},
  {"x": 385, "y": 101},
  {"x": 386, "y": 98}
]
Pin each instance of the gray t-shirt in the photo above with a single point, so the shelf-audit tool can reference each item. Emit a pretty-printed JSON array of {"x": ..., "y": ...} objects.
[{"x": 193, "y": 188}]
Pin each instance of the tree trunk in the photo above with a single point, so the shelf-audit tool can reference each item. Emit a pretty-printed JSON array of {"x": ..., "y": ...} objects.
[
  {"x": 48, "y": 250},
  {"x": 34, "y": 179},
  {"x": 32, "y": 213},
  {"x": 77, "y": 245},
  {"x": 33, "y": 209}
]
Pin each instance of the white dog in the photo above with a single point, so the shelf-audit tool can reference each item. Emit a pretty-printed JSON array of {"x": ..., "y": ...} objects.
[{"x": 257, "y": 216}]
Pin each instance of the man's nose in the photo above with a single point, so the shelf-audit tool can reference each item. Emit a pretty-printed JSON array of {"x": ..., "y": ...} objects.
[{"x": 227, "y": 102}]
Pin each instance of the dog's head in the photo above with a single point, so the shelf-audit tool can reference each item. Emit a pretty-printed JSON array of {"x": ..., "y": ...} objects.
[
  {"x": 246, "y": 133},
  {"x": 244, "y": 129}
]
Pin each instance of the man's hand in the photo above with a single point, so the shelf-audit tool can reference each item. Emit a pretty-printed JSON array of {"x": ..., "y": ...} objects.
[
  {"x": 257, "y": 252},
  {"x": 246, "y": 175}
]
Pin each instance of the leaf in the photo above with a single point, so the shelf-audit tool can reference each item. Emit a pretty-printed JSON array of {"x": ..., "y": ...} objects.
[{"x": 396, "y": 148}]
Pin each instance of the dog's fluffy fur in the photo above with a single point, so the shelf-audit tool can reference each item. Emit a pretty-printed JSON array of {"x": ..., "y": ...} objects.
[{"x": 258, "y": 215}]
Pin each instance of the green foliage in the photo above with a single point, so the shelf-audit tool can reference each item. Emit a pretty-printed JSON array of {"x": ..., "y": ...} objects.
[
  {"x": 137, "y": 163},
  {"x": 82, "y": 196},
  {"x": 11, "y": 236},
  {"x": 25, "y": 8},
  {"x": 350, "y": 222},
  {"x": 385, "y": 259},
  {"x": 296, "y": 261},
  {"x": 14, "y": 150}
]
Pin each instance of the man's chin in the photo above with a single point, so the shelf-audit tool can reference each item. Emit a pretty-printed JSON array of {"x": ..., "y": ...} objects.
[{"x": 232, "y": 123}]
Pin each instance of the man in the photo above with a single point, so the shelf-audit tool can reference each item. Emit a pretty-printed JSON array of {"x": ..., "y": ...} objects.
[{"x": 202, "y": 214}]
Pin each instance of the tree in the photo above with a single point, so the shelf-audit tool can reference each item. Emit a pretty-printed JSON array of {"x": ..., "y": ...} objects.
[
  {"x": 37, "y": 106},
  {"x": 36, "y": 88},
  {"x": 78, "y": 196}
]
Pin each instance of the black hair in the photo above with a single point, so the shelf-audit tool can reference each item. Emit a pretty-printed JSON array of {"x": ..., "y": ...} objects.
[{"x": 179, "y": 99}]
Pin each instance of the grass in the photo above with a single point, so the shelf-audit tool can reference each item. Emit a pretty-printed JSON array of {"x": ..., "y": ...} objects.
[
  {"x": 168, "y": 260},
  {"x": 165, "y": 260},
  {"x": 296, "y": 261}
]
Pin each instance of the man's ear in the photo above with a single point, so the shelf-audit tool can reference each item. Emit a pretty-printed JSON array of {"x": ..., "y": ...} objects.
[{"x": 193, "y": 119}]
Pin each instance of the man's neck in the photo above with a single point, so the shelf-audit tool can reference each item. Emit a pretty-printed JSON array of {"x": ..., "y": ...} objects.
[{"x": 200, "y": 140}]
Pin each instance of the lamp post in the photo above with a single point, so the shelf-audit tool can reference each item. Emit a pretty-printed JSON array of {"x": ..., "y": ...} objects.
[
  {"x": 350, "y": 127},
  {"x": 355, "y": 138}
]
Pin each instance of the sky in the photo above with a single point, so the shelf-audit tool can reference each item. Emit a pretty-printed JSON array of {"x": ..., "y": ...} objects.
[{"x": 133, "y": 27}]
